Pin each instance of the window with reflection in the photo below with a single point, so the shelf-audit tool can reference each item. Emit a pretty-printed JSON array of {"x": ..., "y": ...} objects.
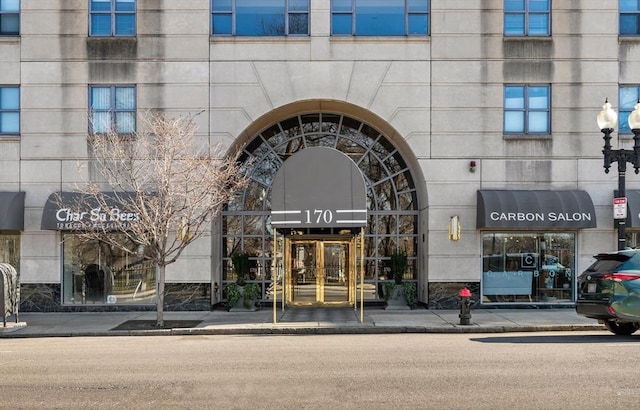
[
  {"x": 95, "y": 272},
  {"x": 528, "y": 267},
  {"x": 112, "y": 18},
  {"x": 9, "y": 17},
  {"x": 392, "y": 205},
  {"x": 9, "y": 110},
  {"x": 10, "y": 249},
  {"x": 527, "y": 17},
  {"x": 259, "y": 17},
  {"x": 527, "y": 109},
  {"x": 380, "y": 18},
  {"x": 629, "y": 21}
]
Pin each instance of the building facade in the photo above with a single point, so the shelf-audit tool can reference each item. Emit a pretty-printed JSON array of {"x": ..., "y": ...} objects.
[{"x": 471, "y": 123}]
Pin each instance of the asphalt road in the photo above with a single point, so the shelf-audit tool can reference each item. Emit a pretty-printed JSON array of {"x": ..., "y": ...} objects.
[{"x": 573, "y": 370}]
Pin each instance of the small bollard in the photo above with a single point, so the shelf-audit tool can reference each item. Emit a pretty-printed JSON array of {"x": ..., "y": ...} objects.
[{"x": 465, "y": 306}]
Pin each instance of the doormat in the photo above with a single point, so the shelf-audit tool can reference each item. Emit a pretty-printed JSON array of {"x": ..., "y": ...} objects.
[{"x": 151, "y": 324}]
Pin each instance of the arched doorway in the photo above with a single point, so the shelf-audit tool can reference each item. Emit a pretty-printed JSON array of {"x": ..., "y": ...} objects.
[{"x": 391, "y": 199}]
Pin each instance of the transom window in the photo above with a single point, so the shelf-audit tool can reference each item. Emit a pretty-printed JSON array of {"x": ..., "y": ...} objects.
[
  {"x": 629, "y": 17},
  {"x": 9, "y": 17},
  {"x": 527, "y": 17},
  {"x": 112, "y": 18},
  {"x": 9, "y": 110},
  {"x": 392, "y": 206},
  {"x": 112, "y": 108},
  {"x": 380, "y": 18},
  {"x": 627, "y": 98},
  {"x": 527, "y": 109},
  {"x": 259, "y": 17}
]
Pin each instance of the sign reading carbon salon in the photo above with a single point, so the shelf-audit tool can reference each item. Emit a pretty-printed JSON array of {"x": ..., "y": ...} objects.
[
  {"x": 516, "y": 209},
  {"x": 72, "y": 211},
  {"x": 318, "y": 187}
]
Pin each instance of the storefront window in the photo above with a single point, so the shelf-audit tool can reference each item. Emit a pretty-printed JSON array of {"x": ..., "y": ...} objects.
[
  {"x": 528, "y": 267},
  {"x": 98, "y": 273},
  {"x": 10, "y": 249}
]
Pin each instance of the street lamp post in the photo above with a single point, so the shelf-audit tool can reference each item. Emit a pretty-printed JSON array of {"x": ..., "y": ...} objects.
[{"x": 607, "y": 120}]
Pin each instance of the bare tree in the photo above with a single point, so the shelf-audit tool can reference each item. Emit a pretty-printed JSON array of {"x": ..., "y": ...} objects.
[{"x": 158, "y": 189}]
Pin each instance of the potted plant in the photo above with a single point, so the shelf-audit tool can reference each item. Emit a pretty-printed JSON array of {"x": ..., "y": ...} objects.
[
  {"x": 242, "y": 295},
  {"x": 397, "y": 293}
]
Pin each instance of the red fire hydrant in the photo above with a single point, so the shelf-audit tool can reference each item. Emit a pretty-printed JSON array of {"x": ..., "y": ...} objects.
[{"x": 465, "y": 306}]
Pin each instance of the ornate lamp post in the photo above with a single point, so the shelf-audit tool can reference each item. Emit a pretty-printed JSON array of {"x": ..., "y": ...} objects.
[{"x": 607, "y": 120}]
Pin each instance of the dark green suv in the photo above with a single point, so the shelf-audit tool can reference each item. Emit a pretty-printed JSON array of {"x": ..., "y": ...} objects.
[{"x": 609, "y": 290}]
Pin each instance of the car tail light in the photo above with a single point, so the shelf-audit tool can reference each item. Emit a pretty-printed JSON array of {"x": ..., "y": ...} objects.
[
  {"x": 612, "y": 311},
  {"x": 620, "y": 277}
]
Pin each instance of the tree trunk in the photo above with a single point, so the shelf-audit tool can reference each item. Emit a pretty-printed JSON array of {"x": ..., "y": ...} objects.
[{"x": 160, "y": 269}]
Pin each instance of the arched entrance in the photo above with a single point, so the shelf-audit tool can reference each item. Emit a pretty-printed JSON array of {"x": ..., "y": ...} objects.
[{"x": 391, "y": 202}]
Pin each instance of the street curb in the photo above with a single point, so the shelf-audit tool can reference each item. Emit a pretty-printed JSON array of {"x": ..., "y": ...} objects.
[{"x": 285, "y": 330}]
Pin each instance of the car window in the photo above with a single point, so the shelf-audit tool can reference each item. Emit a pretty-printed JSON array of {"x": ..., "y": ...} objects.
[{"x": 612, "y": 263}]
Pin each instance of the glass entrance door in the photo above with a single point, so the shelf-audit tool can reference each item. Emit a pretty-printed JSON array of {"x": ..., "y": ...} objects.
[{"x": 320, "y": 272}]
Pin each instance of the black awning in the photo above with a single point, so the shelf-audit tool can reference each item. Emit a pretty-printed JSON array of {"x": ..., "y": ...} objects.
[
  {"x": 12, "y": 211},
  {"x": 318, "y": 187},
  {"x": 515, "y": 209},
  {"x": 633, "y": 208},
  {"x": 70, "y": 211}
]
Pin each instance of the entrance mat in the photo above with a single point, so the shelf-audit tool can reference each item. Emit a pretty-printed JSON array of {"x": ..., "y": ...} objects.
[{"x": 151, "y": 324}]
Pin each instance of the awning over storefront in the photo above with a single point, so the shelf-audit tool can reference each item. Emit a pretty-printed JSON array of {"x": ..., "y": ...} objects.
[
  {"x": 11, "y": 211},
  {"x": 66, "y": 211},
  {"x": 318, "y": 187},
  {"x": 516, "y": 209},
  {"x": 633, "y": 208}
]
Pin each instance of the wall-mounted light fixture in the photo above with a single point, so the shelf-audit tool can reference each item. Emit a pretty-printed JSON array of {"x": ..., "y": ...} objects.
[
  {"x": 454, "y": 228},
  {"x": 472, "y": 166}
]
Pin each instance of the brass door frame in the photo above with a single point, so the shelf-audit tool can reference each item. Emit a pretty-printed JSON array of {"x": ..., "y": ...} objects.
[{"x": 319, "y": 243}]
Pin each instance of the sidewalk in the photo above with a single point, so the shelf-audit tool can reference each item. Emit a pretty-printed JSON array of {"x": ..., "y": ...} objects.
[{"x": 299, "y": 321}]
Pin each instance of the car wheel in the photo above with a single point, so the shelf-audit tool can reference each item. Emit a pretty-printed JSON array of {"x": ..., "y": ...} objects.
[{"x": 622, "y": 329}]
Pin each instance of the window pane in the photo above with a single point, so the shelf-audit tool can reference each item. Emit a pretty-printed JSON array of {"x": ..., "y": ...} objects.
[
  {"x": 101, "y": 25},
  {"x": 341, "y": 24},
  {"x": 538, "y": 122},
  {"x": 514, "y": 24},
  {"x": 418, "y": 5},
  {"x": 380, "y": 19},
  {"x": 125, "y": 24},
  {"x": 628, "y": 96},
  {"x": 623, "y": 122},
  {"x": 514, "y": 5},
  {"x": 101, "y": 122},
  {"x": 299, "y": 5},
  {"x": 9, "y": 24},
  {"x": 9, "y": 5},
  {"x": 100, "y": 5},
  {"x": 125, "y": 98},
  {"x": 299, "y": 23},
  {"x": 10, "y": 122},
  {"x": 221, "y": 5},
  {"x": 629, "y": 5},
  {"x": 629, "y": 24},
  {"x": 221, "y": 24},
  {"x": 100, "y": 98},
  {"x": 9, "y": 98},
  {"x": 125, "y": 5},
  {"x": 341, "y": 5},
  {"x": 125, "y": 122},
  {"x": 538, "y": 5},
  {"x": 539, "y": 24},
  {"x": 514, "y": 122},
  {"x": 266, "y": 20},
  {"x": 418, "y": 24},
  {"x": 514, "y": 97},
  {"x": 538, "y": 97}
]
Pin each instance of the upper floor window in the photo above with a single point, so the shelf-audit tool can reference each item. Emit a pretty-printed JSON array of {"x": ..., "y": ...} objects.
[
  {"x": 9, "y": 17},
  {"x": 112, "y": 18},
  {"x": 9, "y": 110},
  {"x": 527, "y": 109},
  {"x": 380, "y": 18},
  {"x": 527, "y": 17},
  {"x": 629, "y": 17},
  {"x": 627, "y": 98},
  {"x": 259, "y": 17},
  {"x": 112, "y": 108}
]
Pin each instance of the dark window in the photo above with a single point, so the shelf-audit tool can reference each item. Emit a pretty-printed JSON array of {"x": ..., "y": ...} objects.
[
  {"x": 259, "y": 17},
  {"x": 380, "y": 18},
  {"x": 527, "y": 17},
  {"x": 112, "y": 108},
  {"x": 629, "y": 17},
  {"x": 527, "y": 109},
  {"x": 9, "y": 17},
  {"x": 9, "y": 110},
  {"x": 112, "y": 18}
]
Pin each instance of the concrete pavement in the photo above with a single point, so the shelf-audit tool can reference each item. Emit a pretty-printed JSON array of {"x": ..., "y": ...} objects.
[{"x": 300, "y": 321}]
